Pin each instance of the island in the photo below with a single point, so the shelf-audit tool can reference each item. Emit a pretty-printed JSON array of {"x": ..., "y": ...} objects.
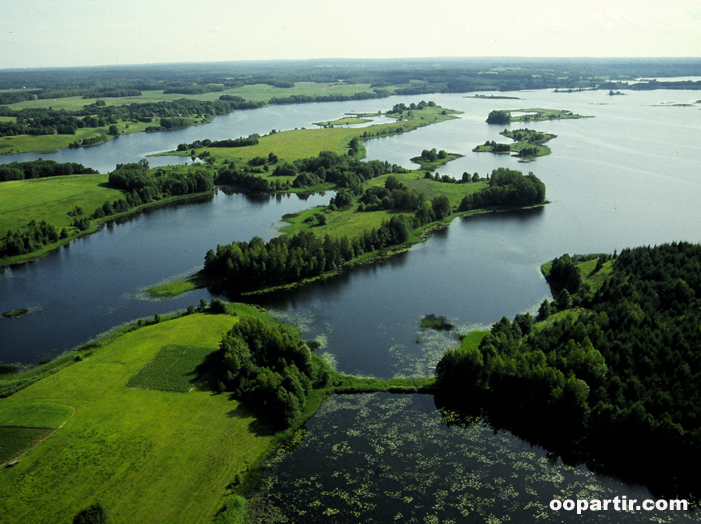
[
  {"x": 528, "y": 143},
  {"x": 506, "y": 116},
  {"x": 432, "y": 159}
]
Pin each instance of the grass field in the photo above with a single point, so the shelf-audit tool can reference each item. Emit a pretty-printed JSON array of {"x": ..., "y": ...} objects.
[
  {"x": 174, "y": 368},
  {"x": 146, "y": 456},
  {"x": 51, "y": 199}
]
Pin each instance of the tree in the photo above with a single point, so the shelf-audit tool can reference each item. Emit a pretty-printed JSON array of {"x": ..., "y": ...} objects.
[{"x": 114, "y": 131}]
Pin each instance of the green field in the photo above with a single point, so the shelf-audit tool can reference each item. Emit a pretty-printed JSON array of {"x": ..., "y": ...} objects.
[
  {"x": 16, "y": 440},
  {"x": 174, "y": 368},
  {"x": 123, "y": 447},
  {"x": 51, "y": 199}
]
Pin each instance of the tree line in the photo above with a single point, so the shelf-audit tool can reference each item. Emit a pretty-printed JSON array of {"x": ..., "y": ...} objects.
[
  {"x": 618, "y": 380},
  {"x": 47, "y": 121},
  {"x": 42, "y": 169},
  {"x": 251, "y": 140}
]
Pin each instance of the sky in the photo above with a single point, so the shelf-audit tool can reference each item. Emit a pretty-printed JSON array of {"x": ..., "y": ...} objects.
[{"x": 62, "y": 33}]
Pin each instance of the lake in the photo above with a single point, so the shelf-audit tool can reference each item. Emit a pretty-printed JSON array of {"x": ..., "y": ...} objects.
[{"x": 627, "y": 177}]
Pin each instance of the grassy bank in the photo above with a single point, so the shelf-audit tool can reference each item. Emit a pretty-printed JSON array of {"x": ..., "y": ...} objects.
[
  {"x": 51, "y": 199},
  {"x": 12, "y": 145},
  {"x": 350, "y": 120},
  {"x": 124, "y": 447}
]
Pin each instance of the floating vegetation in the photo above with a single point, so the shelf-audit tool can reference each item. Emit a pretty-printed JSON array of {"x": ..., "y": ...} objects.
[
  {"x": 439, "y": 323},
  {"x": 16, "y": 312},
  {"x": 391, "y": 458}
]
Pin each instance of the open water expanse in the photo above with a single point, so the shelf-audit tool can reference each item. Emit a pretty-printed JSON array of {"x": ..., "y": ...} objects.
[{"x": 628, "y": 177}]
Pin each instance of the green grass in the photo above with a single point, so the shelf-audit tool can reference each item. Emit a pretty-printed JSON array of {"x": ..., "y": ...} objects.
[
  {"x": 35, "y": 415},
  {"x": 473, "y": 339},
  {"x": 51, "y": 199},
  {"x": 16, "y": 440},
  {"x": 174, "y": 368},
  {"x": 177, "y": 287},
  {"x": 592, "y": 277},
  {"x": 147, "y": 456},
  {"x": 344, "y": 121}
]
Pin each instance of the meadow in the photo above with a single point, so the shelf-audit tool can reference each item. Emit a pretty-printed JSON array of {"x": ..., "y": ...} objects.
[
  {"x": 123, "y": 447},
  {"x": 51, "y": 199}
]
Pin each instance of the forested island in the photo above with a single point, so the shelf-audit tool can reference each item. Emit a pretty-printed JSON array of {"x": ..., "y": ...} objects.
[
  {"x": 609, "y": 373},
  {"x": 501, "y": 116},
  {"x": 528, "y": 143},
  {"x": 431, "y": 159}
]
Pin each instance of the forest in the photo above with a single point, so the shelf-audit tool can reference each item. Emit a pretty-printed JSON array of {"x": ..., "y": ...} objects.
[{"x": 607, "y": 377}]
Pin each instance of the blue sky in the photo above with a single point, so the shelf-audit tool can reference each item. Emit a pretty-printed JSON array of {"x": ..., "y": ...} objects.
[{"x": 46, "y": 33}]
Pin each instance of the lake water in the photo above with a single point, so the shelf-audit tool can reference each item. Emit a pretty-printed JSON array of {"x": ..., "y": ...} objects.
[{"x": 630, "y": 176}]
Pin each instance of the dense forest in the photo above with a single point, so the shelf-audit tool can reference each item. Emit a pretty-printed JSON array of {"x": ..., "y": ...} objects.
[
  {"x": 41, "y": 169},
  {"x": 616, "y": 381}
]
